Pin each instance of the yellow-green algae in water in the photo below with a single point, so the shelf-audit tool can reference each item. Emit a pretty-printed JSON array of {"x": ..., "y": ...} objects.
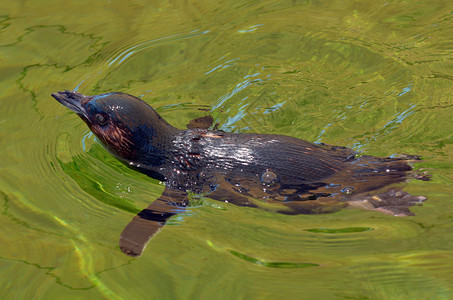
[
  {"x": 372, "y": 75},
  {"x": 271, "y": 264}
]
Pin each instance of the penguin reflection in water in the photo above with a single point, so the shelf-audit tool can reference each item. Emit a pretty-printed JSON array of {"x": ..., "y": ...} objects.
[{"x": 238, "y": 168}]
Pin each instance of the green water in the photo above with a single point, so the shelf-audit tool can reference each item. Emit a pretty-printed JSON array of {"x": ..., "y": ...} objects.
[{"x": 372, "y": 75}]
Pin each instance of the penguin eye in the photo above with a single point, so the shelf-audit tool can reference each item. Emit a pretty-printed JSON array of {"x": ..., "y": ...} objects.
[{"x": 101, "y": 119}]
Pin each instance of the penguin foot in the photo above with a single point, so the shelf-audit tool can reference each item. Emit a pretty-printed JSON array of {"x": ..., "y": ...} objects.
[{"x": 393, "y": 202}]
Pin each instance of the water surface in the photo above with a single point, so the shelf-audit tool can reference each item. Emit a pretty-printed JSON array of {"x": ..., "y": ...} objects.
[{"x": 375, "y": 76}]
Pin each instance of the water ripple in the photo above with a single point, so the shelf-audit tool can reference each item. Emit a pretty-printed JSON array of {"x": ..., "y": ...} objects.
[{"x": 130, "y": 50}]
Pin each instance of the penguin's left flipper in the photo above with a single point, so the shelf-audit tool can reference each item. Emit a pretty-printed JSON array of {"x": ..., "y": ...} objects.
[{"x": 147, "y": 223}]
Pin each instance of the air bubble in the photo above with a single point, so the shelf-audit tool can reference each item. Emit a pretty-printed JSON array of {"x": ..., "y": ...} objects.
[
  {"x": 348, "y": 190},
  {"x": 269, "y": 177}
]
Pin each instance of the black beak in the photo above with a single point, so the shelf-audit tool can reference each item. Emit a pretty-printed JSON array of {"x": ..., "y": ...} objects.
[{"x": 73, "y": 100}]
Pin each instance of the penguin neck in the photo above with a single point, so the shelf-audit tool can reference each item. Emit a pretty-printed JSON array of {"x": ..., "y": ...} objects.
[
  {"x": 153, "y": 144},
  {"x": 152, "y": 150}
]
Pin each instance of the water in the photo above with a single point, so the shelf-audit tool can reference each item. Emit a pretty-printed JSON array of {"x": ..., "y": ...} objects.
[{"x": 372, "y": 75}]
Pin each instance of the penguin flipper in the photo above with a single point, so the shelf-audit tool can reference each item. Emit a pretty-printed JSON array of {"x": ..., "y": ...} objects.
[{"x": 149, "y": 221}]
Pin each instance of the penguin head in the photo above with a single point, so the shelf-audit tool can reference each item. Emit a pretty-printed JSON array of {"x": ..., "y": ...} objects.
[{"x": 127, "y": 126}]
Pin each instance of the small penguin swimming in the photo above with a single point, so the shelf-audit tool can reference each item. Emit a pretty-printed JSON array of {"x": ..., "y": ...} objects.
[{"x": 244, "y": 169}]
